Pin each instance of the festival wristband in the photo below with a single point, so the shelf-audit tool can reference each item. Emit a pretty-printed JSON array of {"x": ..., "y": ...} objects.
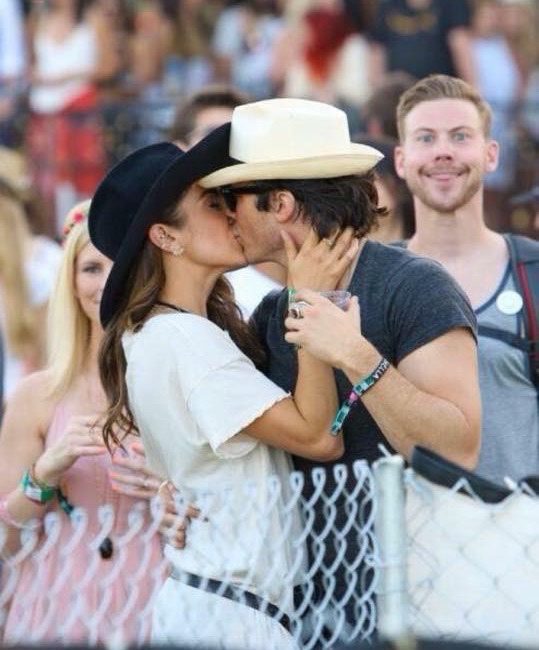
[
  {"x": 35, "y": 490},
  {"x": 357, "y": 391}
]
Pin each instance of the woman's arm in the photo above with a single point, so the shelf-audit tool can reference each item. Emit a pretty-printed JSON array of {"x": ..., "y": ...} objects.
[
  {"x": 301, "y": 424},
  {"x": 22, "y": 446}
]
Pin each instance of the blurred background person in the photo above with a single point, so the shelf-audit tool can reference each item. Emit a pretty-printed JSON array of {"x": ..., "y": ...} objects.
[
  {"x": 64, "y": 139},
  {"x": 203, "y": 111},
  {"x": 322, "y": 55},
  {"x": 243, "y": 44},
  {"x": 399, "y": 223},
  {"x": 30, "y": 263},
  {"x": 421, "y": 37},
  {"x": 379, "y": 113},
  {"x": 189, "y": 63},
  {"x": 19, "y": 304},
  {"x": 12, "y": 70},
  {"x": 503, "y": 90},
  {"x": 51, "y": 434}
]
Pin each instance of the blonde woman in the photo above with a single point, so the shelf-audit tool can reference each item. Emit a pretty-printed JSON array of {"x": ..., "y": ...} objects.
[
  {"x": 53, "y": 459},
  {"x": 19, "y": 302}
]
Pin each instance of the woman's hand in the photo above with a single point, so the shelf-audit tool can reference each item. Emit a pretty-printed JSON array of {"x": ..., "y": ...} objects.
[
  {"x": 174, "y": 524},
  {"x": 324, "y": 330},
  {"x": 134, "y": 479},
  {"x": 320, "y": 263},
  {"x": 83, "y": 437}
]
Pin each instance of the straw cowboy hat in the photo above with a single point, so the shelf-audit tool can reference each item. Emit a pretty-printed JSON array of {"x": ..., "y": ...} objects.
[
  {"x": 133, "y": 196},
  {"x": 291, "y": 138}
]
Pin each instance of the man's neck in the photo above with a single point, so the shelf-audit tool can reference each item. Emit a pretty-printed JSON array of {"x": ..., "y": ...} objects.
[
  {"x": 446, "y": 236},
  {"x": 344, "y": 282}
]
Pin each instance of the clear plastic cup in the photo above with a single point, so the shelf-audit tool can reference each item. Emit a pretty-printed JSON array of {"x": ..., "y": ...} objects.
[{"x": 338, "y": 297}]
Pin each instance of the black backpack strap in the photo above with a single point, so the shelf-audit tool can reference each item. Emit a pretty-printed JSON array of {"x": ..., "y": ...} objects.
[{"x": 524, "y": 253}]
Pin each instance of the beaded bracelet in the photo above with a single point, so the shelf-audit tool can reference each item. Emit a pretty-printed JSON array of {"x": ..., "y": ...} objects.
[{"x": 357, "y": 391}]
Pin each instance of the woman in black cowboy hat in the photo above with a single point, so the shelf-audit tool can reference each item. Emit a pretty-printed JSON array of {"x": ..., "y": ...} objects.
[{"x": 177, "y": 366}]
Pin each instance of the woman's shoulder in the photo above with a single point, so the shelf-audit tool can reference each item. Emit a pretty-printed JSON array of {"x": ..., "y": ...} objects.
[
  {"x": 185, "y": 334},
  {"x": 32, "y": 398},
  {"x": 181, "y": 324},
  {"x": 37, "y": 385}
]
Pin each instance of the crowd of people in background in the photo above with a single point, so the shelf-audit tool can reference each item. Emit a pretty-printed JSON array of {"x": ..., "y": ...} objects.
[
  {"x": 84, "y": 82},
  {"x": 90, "y": 86}
]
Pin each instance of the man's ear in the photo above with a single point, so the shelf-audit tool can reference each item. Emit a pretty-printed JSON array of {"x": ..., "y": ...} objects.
[
  {"x": 399, "y": 161},
  {"x": 283, "y": 205},
  {"x": 492, "y": 155}
]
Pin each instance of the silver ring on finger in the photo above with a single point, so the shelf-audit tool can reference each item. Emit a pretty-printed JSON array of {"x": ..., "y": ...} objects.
[{"x": 295, "y": 310}]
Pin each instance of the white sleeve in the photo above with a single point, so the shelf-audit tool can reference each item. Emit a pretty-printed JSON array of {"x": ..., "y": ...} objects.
[{"x": 227, "y": 400}]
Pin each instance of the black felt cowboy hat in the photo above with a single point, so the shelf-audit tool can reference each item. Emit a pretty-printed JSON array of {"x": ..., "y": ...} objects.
[{"x": 133, "y": 196}]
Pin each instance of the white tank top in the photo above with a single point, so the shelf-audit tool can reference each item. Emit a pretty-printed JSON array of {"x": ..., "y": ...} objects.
[{"x": 77, "y": 54}]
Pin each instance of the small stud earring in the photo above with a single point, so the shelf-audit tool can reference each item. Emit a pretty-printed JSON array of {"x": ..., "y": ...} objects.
[{"x": 177, "y": 251}]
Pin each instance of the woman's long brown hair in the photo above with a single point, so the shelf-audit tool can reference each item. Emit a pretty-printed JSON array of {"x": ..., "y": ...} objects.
[{"x": 144, "y": 285}]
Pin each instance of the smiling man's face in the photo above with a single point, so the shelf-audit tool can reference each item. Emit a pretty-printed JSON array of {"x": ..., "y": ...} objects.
[{"x": 445, "y": 153}]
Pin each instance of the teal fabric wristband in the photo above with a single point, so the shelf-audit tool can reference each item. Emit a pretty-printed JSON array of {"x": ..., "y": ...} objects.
[
  {"x": 357, "y": 391},
  {"x": 35, "y": 491}
]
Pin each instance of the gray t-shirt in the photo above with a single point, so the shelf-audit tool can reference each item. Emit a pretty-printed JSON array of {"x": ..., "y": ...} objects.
[
  {"x": 510, "y": 432},
  {"x": 406, "y": 301}
]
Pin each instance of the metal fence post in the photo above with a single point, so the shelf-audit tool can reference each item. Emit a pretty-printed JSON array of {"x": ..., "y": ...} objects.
[{"x": 390, "y": 529}]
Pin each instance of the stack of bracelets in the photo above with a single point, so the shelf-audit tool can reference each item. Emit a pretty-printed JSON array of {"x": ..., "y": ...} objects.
[{"x": 41, "y": 493}]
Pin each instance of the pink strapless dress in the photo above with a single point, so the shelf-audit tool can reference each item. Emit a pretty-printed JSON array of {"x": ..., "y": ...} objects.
[{"x": 60, "y": 587}]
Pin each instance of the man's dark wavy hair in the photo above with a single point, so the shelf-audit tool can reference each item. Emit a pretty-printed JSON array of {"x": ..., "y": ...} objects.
[{"x": 329, "y": 204}]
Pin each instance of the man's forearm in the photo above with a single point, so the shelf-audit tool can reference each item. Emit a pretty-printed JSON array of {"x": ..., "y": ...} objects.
[{"x": 408, "y": 416}]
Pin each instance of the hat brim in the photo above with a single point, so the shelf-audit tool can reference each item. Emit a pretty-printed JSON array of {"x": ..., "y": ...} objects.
[
  {"x": 359, "y": 160},
  {"x": 207, "y": 156}
]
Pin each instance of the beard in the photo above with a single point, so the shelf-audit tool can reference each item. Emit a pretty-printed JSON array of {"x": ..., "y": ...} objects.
[{"x": 451, "y": 201}]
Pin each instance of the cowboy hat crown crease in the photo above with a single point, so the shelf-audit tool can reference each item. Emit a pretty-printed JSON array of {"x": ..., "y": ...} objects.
[{"x": 288, "y": 131}]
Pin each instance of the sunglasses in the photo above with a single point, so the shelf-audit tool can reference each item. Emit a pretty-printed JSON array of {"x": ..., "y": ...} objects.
[{"x": 230, "y": 194}]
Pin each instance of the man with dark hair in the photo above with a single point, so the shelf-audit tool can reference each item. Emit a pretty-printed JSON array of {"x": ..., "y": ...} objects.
[{"x": 299, "y": 169}]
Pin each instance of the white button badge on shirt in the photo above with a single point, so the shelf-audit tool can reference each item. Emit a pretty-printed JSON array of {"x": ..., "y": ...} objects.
[{"x": 509, "y": 302}]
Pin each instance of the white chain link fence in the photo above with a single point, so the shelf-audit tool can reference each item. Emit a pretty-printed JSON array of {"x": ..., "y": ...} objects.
[
  {"x": 465, "y": 566},
  {"x": 452, "y": 559},
  {"x": 57, "y": 588}
]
